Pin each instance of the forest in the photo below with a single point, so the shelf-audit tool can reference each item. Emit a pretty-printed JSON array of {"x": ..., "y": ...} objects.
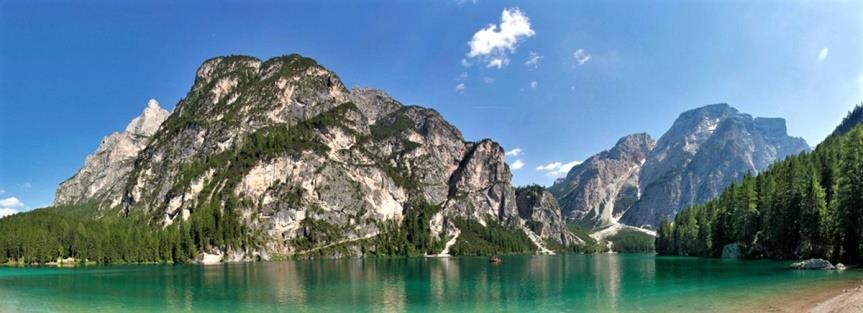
[
  {"x": 90, "y": 235},
  {"x": 807, "y": 206}
]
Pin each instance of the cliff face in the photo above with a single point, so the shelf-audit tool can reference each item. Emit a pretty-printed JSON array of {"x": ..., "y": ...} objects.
[
  {"x": 598, "y": 191},
  {"x": 104, "y": 173},
  {"x": 310, "y": 164},
  {"x": 536, "y": 204},
  {"x": 706, "y": 150}
]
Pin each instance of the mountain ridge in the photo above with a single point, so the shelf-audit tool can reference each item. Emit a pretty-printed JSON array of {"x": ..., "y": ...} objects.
[{"x": 315, "y": 168}]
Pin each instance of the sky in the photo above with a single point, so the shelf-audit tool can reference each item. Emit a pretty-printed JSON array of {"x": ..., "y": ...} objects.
[{"x": 554, "y": 82}]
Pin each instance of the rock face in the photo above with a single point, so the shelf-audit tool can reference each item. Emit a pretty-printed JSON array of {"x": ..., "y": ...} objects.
[
  {"x": 311, "y": 165},
  {"x": 540, "y": 209},
  {"x": 598, "y": 191},
  {"x": 103, "y": 177},
  {"x": 706, "y": 150}
]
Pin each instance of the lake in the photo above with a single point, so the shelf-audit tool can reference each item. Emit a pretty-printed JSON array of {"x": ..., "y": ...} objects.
[{"x": 577, "y": 282}]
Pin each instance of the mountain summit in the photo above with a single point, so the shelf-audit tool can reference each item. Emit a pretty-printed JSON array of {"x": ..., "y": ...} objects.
[
  {"x": 314, "y": 169},
  {"x": 105, "y": 171},
  {"x": 639, "y": 182},
  {"x": 706, "y": 150}
]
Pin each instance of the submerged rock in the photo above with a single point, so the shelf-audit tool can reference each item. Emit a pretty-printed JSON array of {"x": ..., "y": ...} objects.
[
  {"x": 813, "y": 264},
  {"x": 732, "y": 251}
]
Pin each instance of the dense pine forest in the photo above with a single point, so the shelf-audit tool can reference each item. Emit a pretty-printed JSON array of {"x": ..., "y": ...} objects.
[
  {"x": 88, "y": 234},
  {"x": 809, "y": 205}
]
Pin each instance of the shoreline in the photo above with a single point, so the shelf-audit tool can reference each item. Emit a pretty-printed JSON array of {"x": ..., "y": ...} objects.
[
  {"x": 845, "y": 300},
  {"x": 836, "y": 297}
]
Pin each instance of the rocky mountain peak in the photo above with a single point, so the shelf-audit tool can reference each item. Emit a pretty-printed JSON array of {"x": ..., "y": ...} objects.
[
  {"x": 599, "y": 190},
  {"x": 149, "y": 121},
  {"x": 632, "y": 148},
  {"x": 704, "y": 151},
  {"x": 374, "y": 103},
  {"x": 538, "y": 207},
  {"x": 104, "y": 173}
]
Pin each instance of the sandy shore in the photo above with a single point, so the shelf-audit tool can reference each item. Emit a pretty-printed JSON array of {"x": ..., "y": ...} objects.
[
  {"x": 846, "y": 301},
  {"x": 839, "y": 297}
]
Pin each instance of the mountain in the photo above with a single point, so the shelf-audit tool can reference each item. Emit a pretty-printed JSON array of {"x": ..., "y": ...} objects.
[
  {"x": 854, "y": 118},
  {"x": 640, "y": 183},
  {"x": 706, "y": 150},
  {"x": 311, "y": 168},
  {"x": 538, "y": 206},
  {"x": 106, "y": 170},
  {"x": 806, "y": 206},
  {"x": 599, "y": 190}
]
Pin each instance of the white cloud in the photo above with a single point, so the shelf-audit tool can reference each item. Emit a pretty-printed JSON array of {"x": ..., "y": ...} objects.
[
  {"x": 494, "y": 43},
  {"x": 517, "y": 165},
  {"x": 533, "y": 60},
  {"x": 460, "y": 88},
  {"x": 581, "y": 56},
  {"x": 557, "y": 169},
  {"x": 488, "y": 80},
  {"x": 461, "y": 2},
  {"x": 534, "y": 84},
  {"x": 4, "y": 212},
  {"x": 11, "y": 202},
  {"x": 2, "y": 191},
  {"x": 823, "y": 54},
  {"x": 9, "y": 206},
  {"x": 514, "y": 152},
  {"x": 466, "y": 63},
  {"x": 499, "y": 63}
]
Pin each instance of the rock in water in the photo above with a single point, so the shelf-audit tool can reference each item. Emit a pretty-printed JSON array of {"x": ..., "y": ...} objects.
[
  {"x": 104, "y": 174},
  {"x": 732, "y": 251},
  {"x": 598, "y": 191},
  {"x": 813, "y": 264}
]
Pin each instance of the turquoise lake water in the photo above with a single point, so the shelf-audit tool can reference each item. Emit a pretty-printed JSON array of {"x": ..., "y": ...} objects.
[{"x": 563, "y": 283}]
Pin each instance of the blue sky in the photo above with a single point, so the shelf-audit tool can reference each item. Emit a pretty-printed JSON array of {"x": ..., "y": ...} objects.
[{"x": 72, "y": 74}]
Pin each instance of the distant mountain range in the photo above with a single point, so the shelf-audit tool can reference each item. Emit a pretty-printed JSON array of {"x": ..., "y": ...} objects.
[
  {"x": 640, "y": 183},
  {"x": 277, "y": 158}
]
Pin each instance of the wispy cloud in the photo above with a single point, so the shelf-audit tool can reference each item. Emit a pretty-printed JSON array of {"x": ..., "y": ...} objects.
[
  {"x": 494, "y": 43},
  {"x": 514, "y": 152},
  {"x": 10, "y": 206},
  {"x": 581, "y": 56},
  {"x": 462, "y": 2},
  {"x": 2, "y": 191},
  {"x": 517, "y": 165},
  {"x": 822, "y": 55},
  {"x": 557, "y": 169},
  {"x": 460, "y": 88},
  {"x": 534, "y": 84},
  {"x": 488, "y": 80},
  {"x": 533, "y": 60}
]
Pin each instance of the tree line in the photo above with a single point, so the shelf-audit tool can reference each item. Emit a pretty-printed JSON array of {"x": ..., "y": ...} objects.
[
  {"x": 79, "y": 232},
  {"x": 806, "y": 206}
]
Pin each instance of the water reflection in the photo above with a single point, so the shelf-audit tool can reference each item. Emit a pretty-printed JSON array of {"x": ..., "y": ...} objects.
[{"x": 594, "y": 283}]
